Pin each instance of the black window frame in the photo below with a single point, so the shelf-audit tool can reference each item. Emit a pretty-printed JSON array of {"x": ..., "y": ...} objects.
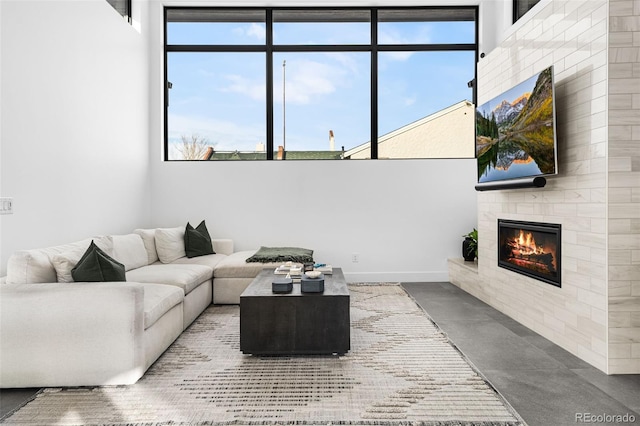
[
  {"x": 123, "y": 7},
  {"x": 269, "y": 48},
  {"x": 517, "y": 7}
]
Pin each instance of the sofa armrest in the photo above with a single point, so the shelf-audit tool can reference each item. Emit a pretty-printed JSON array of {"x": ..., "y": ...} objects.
[
  {"x": 76, "y": 334},
  {"x": 222, "y": 246}
]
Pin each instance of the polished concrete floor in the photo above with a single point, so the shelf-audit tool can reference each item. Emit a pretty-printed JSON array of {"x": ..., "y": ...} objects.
[{"x": 544, "y": 383}]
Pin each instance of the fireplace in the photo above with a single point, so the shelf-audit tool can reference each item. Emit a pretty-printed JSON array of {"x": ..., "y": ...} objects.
[{"x": 531, "y": 249}]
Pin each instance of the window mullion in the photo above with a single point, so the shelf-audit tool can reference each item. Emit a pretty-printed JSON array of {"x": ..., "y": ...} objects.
[
  {"x": 425, "y": 47},
  {"x": 269, "y": 80},
  {"x": 165, "y": 90},
  {"x": 374, "y": 84},
  {"x": 213, "y": 48},
  {"x": 321, "y": 48}
]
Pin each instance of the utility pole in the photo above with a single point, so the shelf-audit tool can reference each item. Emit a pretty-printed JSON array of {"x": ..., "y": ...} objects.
[{"x": 284, "y": 106}]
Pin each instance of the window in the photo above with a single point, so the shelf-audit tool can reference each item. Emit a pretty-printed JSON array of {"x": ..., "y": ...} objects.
[
  {"x": 321, "y": 83},
  {"x": 123, "y": 7},
  {"x": 520, "y": 7}
]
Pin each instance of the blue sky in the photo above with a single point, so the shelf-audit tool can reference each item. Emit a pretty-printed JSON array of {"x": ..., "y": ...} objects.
[{"x": 221, "y": 96}]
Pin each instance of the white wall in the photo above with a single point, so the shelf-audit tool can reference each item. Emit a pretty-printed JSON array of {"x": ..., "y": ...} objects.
[
  {"x": 403, "y": 217},
  {"x": 74, "y": 124},
  {"x": 493, "y": 20}
]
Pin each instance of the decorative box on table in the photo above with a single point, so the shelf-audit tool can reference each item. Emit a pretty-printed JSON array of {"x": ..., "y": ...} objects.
[
  {"x": 312, "y": 285},
  {"x": 282, "y": 285}
]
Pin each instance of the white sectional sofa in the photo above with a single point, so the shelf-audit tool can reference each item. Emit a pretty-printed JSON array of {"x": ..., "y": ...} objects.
[{"x": 56, "y": 333}]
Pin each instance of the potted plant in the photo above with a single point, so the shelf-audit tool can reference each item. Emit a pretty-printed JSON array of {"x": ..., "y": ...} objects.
[{"x": 470, "y": 246}]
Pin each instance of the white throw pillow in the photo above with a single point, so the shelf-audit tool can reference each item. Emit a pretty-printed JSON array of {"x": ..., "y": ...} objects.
[
  {"x": 130, "y": 251},
  {"x": 66, "y": 261},
  {"x": 149, "y": 239},
  {"x": 170, "y": 244},
  {"x": 30, "y": 266}
]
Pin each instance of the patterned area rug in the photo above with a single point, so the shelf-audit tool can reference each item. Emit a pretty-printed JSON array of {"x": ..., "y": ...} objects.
[{"x": 401, "y": 370}]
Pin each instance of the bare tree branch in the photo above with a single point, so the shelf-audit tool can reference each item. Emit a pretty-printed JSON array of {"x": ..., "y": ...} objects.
[{"x": 193, "y": 147}]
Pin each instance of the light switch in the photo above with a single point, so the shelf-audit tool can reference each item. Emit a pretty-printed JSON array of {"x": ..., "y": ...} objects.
[{"x": 6, "y": 205}]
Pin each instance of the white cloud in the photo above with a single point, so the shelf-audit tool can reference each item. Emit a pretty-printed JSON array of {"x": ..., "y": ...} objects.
[
  {"x": 254, "y": 30},
  {"x": 308, "y": 79},
  {"x": 255, "y": 90},
  {"x": 202, "y": 72},
  {"x": 409, "y": 101},
  {"x": 397, "y": 56},
  {"x": 257, "y": 31},
  {"x": 390, "y": 35},
  {"x": 346, "y": 60}
]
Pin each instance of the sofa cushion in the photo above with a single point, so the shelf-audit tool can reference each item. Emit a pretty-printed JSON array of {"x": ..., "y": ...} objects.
[
  {"x": 97, "y": 266},
  {"x": 130, "y": 251},
  {"x": 184, "y": 276},
  {"x": 149, "y": 239},
  {"x": 64, "y": 258},
  {"x": 210, "y": 260},
  {"x": 222, "y": 245},
  {"x": 170, "y": 244},
  {"x": 158, "y": 300},
  {"x": 197, "y": 241},
  {"x": 236, "y": 266},
  {"x": 30, "y": 266}
]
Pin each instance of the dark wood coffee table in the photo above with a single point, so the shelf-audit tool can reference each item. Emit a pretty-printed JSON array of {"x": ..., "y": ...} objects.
[{"x": 296, "y": 322}]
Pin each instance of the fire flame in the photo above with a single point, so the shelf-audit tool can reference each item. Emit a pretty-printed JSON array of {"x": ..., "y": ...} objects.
[
  {"x": 526, "y": 244},
  {"x": 521, "y": 249}
]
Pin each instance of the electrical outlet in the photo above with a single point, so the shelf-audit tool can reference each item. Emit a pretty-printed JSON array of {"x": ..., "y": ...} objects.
[
  {"x": 6, "y": 205},
  {"x": 355, "y": 258}
]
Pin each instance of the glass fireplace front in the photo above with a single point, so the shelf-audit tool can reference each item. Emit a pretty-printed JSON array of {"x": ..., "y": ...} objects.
[{"x": 531, "y": 249}]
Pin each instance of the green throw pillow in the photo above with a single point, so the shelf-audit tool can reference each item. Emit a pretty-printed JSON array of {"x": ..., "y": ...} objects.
[
  {"x": 282, "y": 254},
  {"x": 197, "y": 242},
  {"x": 97, "y": 266}
]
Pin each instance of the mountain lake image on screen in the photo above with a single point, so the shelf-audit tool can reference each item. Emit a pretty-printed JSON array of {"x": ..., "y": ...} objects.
[{"x": 515, "y": 132}]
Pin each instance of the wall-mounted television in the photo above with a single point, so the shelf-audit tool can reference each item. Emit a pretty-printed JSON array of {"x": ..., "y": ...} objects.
[{"x": 516, "y": 132}]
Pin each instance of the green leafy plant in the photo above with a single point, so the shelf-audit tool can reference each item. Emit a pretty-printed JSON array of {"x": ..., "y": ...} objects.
[{"x": 473, "y": 245}]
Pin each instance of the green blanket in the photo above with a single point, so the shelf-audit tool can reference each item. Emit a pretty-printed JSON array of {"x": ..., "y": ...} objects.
[{"x": 282, "y": 254}]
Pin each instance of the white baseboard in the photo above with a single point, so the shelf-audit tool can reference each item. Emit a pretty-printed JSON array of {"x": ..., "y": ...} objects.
[{"x": 379, "y": 277}]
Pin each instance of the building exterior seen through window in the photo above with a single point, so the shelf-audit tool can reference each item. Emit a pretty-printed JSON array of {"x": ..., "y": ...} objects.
[{"x": 321, "y": 83}]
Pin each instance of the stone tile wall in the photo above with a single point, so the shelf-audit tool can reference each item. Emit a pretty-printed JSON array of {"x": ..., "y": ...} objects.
[
  {"x": 573, "y": 37},
  {"x": 624, "y": 187}
]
